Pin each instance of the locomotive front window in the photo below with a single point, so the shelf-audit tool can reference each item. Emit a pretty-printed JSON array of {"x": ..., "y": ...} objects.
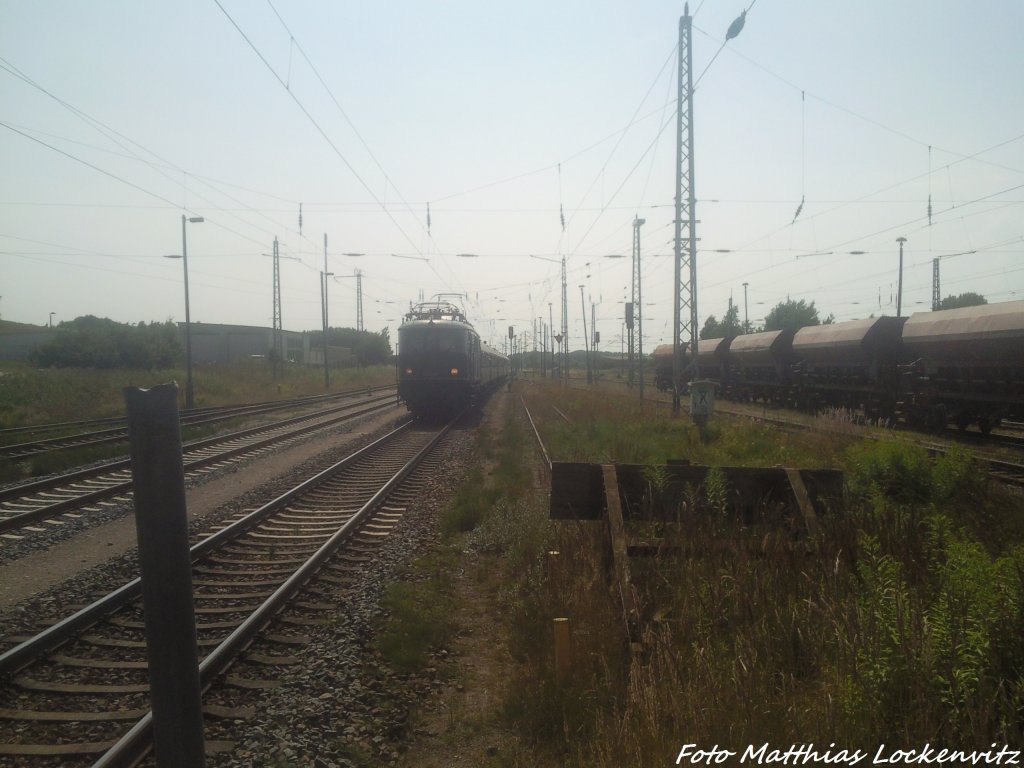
[{"x": 433, "y": 341}]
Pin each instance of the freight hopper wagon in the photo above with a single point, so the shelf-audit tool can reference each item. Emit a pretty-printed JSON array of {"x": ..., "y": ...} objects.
[
  {"x": 662, "y": 357},
  {"x": 758, "y": 366},
  {"x": 964, "y": 366},
  {"x": 851, "y": 365},
  {"x": 713, "y": 361},
  {"x": 443, "y": 366}
]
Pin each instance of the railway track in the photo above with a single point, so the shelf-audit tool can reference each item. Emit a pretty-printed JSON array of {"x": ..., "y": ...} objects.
[
  {"x": 117, "y": 431},
  {"x": 77, "y": 691},
  {"x": 24, "y": 506},
  {"x": 1004, "y": 471},
  {"x": 1010, "y": 434}
]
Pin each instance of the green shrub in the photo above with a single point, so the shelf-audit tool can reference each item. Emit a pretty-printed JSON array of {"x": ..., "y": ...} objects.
[
  {"x": 419, "y": 620},
  {"x": 472, "y": 501},
  {"x": 93, "y": 342},
  {"x": 891, "y": 469}
]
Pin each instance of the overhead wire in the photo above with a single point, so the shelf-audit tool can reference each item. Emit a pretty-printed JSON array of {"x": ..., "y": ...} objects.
[
  {"x": 120, "y": 139},
  {"x": 884, "y": 189},
  {"x": 317, "y": 126},
  {"x": 387, "y": 178},
  {"x": 622, "y": 134}
]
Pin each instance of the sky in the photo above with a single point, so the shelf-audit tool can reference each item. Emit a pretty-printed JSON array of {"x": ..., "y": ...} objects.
[{"x": 821, "y": 133}]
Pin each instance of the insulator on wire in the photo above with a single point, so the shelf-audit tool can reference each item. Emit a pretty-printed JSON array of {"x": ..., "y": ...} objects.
[
  {"x": 929, "y": 210},
  {"x": 799, "y": 208},
  {"x": 561, "y": 215},
  {"x": 300, "y": 219},
  {"x": 428, "y": 218},
  {"x": 736, "y": 26}
]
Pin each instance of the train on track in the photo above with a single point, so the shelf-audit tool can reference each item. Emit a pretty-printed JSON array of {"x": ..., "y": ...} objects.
[
  {"x": 932, "y": 369},
  {"x": 443, "y": 366}
]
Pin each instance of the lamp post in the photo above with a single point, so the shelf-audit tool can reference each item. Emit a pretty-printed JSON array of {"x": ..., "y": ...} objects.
[
  {"x": 190, "y": 395},
  {"x": 323, "y": 313},
  {"x": 628, "y": 308},
  {"x": 638, "y": 307},
  {"x": 899, "y": 286},
  {"x": 746, "y": 315},
  {"x": 586, "y": 341},
  {"x": 551, "y": 327},
  {"x": 51, "y": 318}
]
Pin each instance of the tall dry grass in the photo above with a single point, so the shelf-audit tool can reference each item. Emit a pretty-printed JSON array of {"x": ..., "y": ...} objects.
[
  {"x": 39, "y": 396},
  {"x": 901, "y": 624}
]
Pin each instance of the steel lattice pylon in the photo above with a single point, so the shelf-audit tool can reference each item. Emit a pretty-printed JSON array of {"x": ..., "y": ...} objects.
[{"x": 685, "y": 311}]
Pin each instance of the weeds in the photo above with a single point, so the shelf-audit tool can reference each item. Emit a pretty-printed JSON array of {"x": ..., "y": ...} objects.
[
  {"x": 903, "y": 625},
  {"x": 41, "y": 396},
  {"x": 419, "y": 614}
]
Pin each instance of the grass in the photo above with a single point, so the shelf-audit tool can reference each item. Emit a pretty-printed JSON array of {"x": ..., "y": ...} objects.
[
  {"x": 604, "y": 427},
  {"x": 901, "y": 625},
  {"x": 419, "y": 614},
  {"x": 30, "y": 396},
  {"x": 41, "y": 396}
]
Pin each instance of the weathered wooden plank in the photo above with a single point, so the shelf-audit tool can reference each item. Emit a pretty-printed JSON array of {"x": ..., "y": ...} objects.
[
  {"x": 577, "y": 490},
  {"x": 620, "y": 554},
  {"x": 803, "y": 501}
]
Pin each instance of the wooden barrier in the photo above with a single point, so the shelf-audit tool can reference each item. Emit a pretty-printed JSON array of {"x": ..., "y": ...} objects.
[
  {"x": 563, "y": 649},
  {"x": 621, "y": 493}
]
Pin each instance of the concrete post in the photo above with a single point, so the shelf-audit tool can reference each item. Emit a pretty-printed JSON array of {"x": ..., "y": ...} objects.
[{"x": 165, "y": 567}]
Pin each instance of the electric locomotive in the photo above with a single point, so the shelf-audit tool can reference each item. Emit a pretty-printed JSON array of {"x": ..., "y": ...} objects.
[{"x": 443, "y": 366}]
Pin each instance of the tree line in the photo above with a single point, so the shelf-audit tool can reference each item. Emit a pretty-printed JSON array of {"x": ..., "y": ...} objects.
[
  {"x": 368, "y": 348},
  {"x": 98, "y": 342}
]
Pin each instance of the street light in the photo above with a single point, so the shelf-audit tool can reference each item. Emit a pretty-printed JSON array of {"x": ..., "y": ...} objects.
[
  {"x": 638, "y": 309},
  {"x": 323, "y": 316},
  {"x": 586, "y": 343},
  {"x": 190, "y": 396},
  {"x": 746, "y": 315},
  {"x": 51, "y": 318},
  {"x": 899, "y": 289}
]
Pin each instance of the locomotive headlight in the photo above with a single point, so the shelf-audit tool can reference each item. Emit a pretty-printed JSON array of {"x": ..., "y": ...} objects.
[{"x": 455, "y": 371}]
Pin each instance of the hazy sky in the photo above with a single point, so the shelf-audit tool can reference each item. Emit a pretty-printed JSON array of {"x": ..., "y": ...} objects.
[{"x": 117, "y": 116}]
